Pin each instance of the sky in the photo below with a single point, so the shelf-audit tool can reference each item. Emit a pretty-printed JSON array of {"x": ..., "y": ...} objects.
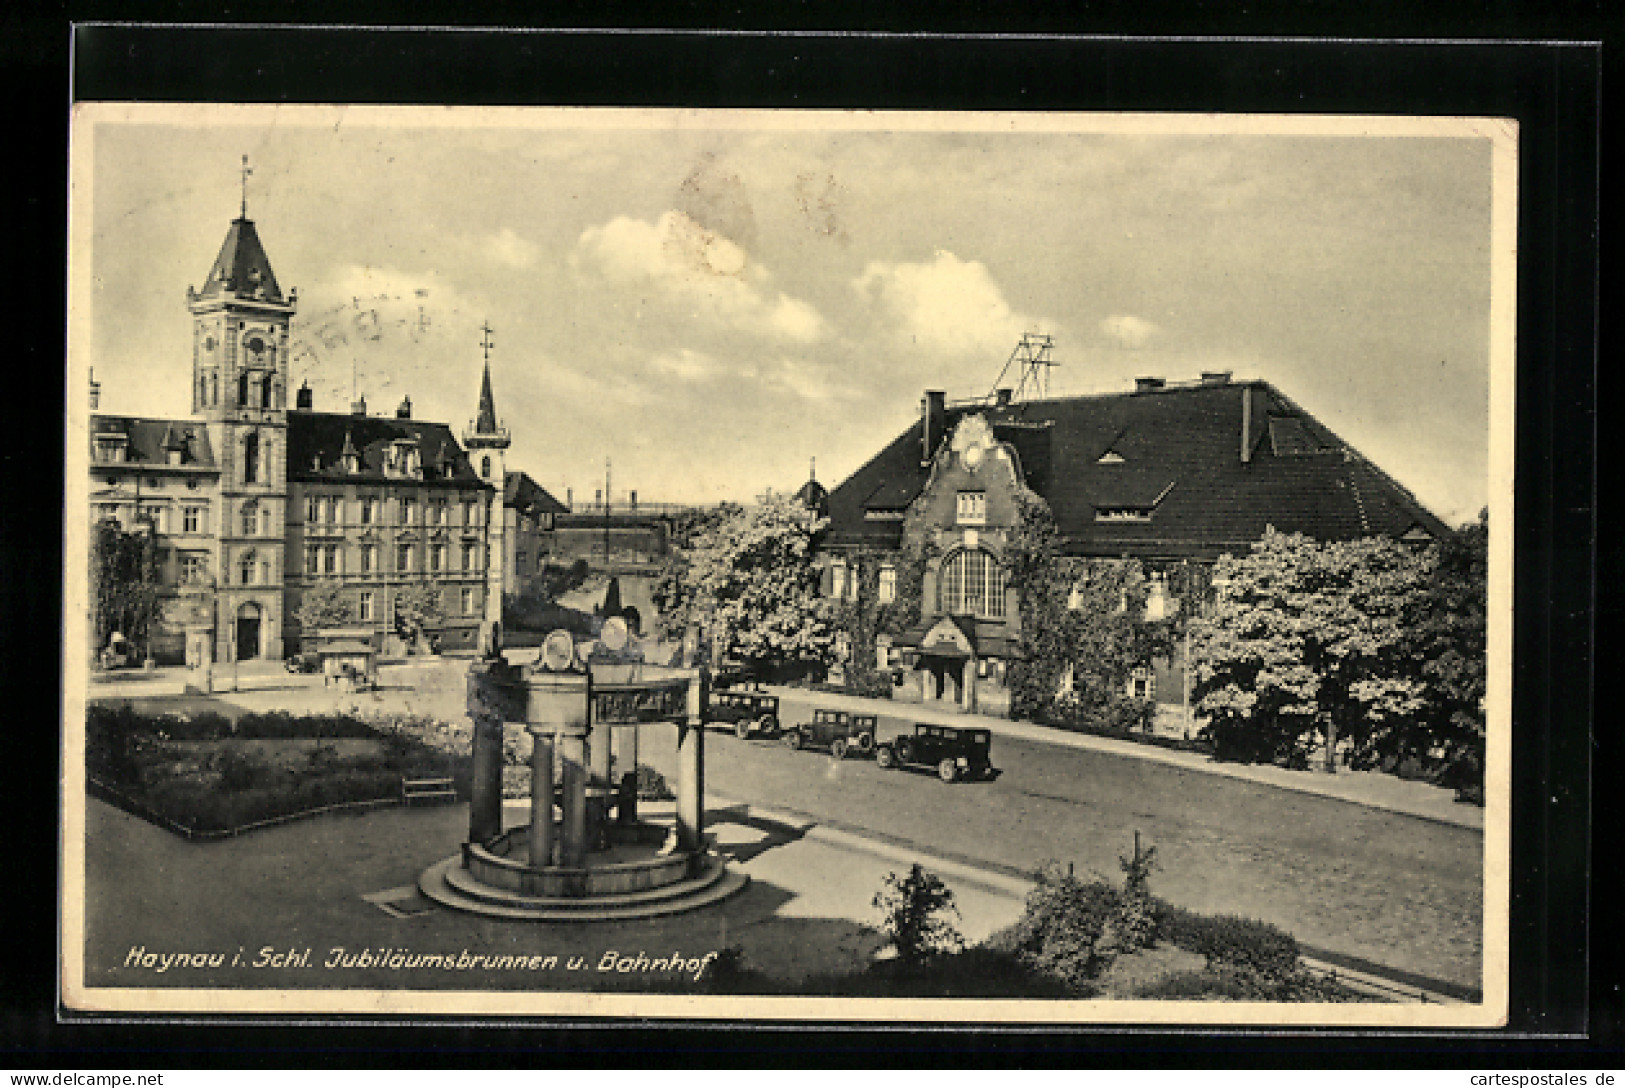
[{"x": 710, "y": 301}]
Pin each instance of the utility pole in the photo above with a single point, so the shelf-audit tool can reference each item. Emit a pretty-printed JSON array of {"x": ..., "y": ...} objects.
[{"x": 606, "y": 512}]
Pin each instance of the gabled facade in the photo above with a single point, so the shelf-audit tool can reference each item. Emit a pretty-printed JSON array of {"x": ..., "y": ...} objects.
[{"x": 1167, "y": 474}]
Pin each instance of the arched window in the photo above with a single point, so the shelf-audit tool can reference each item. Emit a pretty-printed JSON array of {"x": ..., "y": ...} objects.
[
  {"x": 972, "y": 584},
  {"x": 247, "y": 569},
  {"x": 242, "y": 390},
  {"x": 485, "y": 467},
  {"x": 265, "y": 392},
  {"x": 251, "y": 458}
]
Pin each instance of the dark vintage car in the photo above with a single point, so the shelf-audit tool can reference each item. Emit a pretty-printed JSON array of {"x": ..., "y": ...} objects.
[
  {"x": 837, "y": 730},
  {"x": 308, "y": 661},
  {"x": 954, "y": 752},
  {"x": 745, "y": 711}
]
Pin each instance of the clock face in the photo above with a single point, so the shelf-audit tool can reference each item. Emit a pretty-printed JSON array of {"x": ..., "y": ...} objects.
[{"x": 256, "y": 347}]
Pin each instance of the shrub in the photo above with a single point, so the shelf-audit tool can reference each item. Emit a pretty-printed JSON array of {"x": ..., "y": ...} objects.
[
  {"x": 1134, "y": 926},
  {"x": 1060, "y": 932},
  {"x": 915, "y": 912},
  {"x": 1230, "y": 941}
]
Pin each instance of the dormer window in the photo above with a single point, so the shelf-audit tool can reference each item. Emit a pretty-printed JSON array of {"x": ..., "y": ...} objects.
[
  {"x": 972, "y": 508},
  {"x": 1123, "y": 513},
  {"x": 111, "y": 448}
]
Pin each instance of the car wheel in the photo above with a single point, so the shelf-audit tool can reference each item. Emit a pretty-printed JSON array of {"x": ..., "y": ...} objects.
[
  {"x": 884, "y": 757},
  {"x": 791, "y": 740},
  {"x": 837, "y": 747},
  {"x": 947, "y": 770},
  {"x": 866, "y": 742},
  {"x": 742, "y": 728},
  {"x": 905, "y": 752},
  {"x": 769, "y": 723}
]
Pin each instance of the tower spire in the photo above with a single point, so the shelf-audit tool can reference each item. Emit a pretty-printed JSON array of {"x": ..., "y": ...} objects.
[{"x": 486, "y": 431}]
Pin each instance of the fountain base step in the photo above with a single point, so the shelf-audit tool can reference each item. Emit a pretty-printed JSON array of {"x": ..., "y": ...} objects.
[{"x": 448, "y": 883}]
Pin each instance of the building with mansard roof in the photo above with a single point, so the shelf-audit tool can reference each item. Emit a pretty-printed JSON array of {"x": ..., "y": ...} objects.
[
  {"x": 255, "y": 505},
  {"x": 1165, "y": 474}
]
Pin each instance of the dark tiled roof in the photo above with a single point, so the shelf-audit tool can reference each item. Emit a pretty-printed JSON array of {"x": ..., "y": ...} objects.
[
  {"x": 147, "y": 440},
  {"x": 1180, "y": 445},
  {"x": 316, "y": 443},
  {"x": 529, "y": 497},
  {"x": 242, "y": 268}
]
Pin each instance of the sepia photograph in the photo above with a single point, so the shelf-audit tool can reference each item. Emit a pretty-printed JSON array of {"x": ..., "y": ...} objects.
[{"x": 775, "y": 565}]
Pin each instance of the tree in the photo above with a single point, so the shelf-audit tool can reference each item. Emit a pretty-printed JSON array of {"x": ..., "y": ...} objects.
[
  {"x": 1449, "y": 640},
  {"x": 417, "y": 612},
  {"x": 748, "y": 582},
  {"x": 1308, "y": 641},
  {"x": 916, "y": 912},
  {"x": 323, "y": 605},
  {"x": 125, "y": 583}
]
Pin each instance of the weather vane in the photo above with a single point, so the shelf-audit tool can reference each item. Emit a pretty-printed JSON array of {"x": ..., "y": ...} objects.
[
  {"x": 247, "y": 170},
  {"x": 485, "y": 339}
]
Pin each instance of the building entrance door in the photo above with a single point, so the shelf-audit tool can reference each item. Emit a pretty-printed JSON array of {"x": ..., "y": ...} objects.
[{"x": 248, "y": 632}]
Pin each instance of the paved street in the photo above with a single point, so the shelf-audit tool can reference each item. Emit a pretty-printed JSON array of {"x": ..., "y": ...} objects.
[
  {"x": 1387, "y": 888},
  {"x": 1377, "y": 885}
]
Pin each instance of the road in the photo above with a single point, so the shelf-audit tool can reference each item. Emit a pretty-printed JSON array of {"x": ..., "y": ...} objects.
[{"x": 1390, "y": 889}]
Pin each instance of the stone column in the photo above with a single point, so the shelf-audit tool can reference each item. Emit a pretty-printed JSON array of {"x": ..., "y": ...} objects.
[
  {"x": 967, "y": 686},
  {"x": 691, "y": 768},
  {"x": 485, "y": 803},
  {"x": 573, "y": 760},
  {"x": 541, "y": 797}
]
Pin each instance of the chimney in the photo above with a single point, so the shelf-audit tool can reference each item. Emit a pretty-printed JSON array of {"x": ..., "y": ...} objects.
[
  {"x": 634, "y": 501},
  {"x": 1216, "y": 377},
  {"x": 359, "y": 407},
  {"x": 569, "y": 498},
  {"x": 933, "y": 422},
  {"x": 1001, "y": 397},
  {"x": 1246, "y": 423},
  {"x": 405, "y": 410},
  {"x": 95, "y": 391},
  {"x": 303, "y": 399},
  {"x": 1148, "y": 385}
]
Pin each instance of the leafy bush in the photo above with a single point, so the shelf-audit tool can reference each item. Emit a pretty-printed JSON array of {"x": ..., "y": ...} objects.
[
  {"x": 1060, "y": 932},
  {"x": 1229, "y": 941},
  {"x": 915, "y": 912}
]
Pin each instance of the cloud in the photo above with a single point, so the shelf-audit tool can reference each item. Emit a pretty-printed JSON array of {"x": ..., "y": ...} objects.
[
  {"x": 699, "y": 268},
  {"x": 688, "y": 365},
  {"x": 947, "y": 305},
  {"x": 1128, "y": 331},
  {"x": 506, "y": 247},
  {"x": 807, "y": 381}
]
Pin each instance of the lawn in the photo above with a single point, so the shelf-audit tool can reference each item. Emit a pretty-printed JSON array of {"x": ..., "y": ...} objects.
[{"x": 207, "y": 773}]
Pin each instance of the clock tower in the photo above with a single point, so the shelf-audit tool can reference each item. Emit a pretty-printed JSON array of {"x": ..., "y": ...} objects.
[{"x": 240, "y": 322}]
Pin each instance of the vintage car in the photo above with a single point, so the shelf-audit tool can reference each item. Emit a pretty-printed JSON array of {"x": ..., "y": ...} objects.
[
  {"x": 836, "y": 730},
  {"x": 955, "y": 752},
  {"x": 744, "y": 710},
  {"x": 308, "y": 661}
]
